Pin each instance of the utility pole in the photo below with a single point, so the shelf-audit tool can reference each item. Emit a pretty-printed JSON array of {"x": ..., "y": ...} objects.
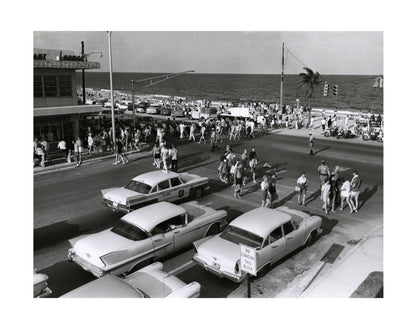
[
  {"x": 111, "y": 91},
  {"x": 132, "y": 103},
  {"x": 83, "y": 73},
  {"x": 281, "y": 75}
]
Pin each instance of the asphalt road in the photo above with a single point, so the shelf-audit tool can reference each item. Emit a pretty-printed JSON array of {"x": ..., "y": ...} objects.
[{"x": 67, "y": 204}]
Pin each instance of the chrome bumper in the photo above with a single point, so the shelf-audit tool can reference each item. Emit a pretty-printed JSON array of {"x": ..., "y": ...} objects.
[
  {"x": 87, "y": 266},
  {"x": 230, "y": 276},
  {"x": 118, "y": 208}
]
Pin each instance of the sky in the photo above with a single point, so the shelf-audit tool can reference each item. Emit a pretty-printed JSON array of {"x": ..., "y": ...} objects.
[{"x": 225, "y": 51}]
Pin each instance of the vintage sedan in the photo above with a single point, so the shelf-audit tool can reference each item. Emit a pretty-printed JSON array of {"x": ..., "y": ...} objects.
[
  {"x": 274, "y": 233},
  {"x": 149, "y": 282},
  {"x": 145, "y": 235},
  {"x": 154, "y": 187}
]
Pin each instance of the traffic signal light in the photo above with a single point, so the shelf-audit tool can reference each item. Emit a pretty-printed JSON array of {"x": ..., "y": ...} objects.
[
  {"x": 326, "y": 87},
  {"x": 335, "y": 92}
]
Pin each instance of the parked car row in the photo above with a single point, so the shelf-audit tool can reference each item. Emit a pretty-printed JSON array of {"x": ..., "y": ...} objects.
[{"x": 125, "y": 257}]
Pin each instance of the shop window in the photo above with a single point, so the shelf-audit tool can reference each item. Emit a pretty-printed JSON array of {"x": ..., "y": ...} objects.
[
  {"x": 50, "y": 85},
  {"x": 37, "y": 86},
  {"x": 65, "y": 85}
]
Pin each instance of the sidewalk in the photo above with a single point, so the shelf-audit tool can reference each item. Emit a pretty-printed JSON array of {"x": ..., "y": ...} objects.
[
  {"x": 345, "y": 276},
  {"x": 61, "y": 163}
]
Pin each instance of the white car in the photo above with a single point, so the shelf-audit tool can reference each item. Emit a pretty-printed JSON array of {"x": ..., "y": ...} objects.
[
  {"x": 40, "y": 285},
  {"x": 274, "y": 233},
  {"x": 149, "y": 282},
  {"x": 154, "y": 187},
  {"x": 145, "y": 235}
]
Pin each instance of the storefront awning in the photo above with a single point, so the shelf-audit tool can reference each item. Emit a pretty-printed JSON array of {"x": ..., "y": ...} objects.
[{"x": 66, "y": 110}]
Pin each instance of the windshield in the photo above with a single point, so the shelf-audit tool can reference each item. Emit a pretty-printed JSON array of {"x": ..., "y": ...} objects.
[
  {"x": 128, "y": 231},
  {"x": 240, "y": 236},
  {"x": 139, "y": 187}
]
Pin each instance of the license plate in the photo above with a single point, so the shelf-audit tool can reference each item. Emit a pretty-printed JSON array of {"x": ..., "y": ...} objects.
[
  {"x": 115, "y": 204},
  {"x": 216, "y": 266}
]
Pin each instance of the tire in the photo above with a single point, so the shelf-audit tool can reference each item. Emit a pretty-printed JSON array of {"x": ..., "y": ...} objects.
[
  {"x": 262, "y": 272},
  {"x": 198, "y": 193},
  {"x": 213, "y": 230}
]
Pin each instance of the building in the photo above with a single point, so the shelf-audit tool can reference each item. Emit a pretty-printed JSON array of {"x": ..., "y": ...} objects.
[{"x": 57, "y": 110}]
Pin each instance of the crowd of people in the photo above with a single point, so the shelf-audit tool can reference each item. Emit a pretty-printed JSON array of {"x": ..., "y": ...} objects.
[{"x": 334, "y": 189}]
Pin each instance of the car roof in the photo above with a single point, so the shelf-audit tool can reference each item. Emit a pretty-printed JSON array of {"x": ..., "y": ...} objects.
[
  {"x": 149, "y": 216},
  {"x": 155, "y": 177},
  {"x": 261, "y": 221},
  {"x": 108, "y": 286}
]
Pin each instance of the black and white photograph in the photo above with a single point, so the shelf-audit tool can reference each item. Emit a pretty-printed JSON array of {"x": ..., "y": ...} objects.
[
  {"x": 246, "y": 156},
  {"x": 216, "y": 173}
]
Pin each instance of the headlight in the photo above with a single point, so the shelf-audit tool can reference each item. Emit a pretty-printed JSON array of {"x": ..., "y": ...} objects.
[{"x": 237, "y": 267}]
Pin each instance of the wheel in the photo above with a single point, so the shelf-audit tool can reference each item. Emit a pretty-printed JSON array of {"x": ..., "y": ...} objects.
[
  {"x": 198, "y": 193},
  {"x": 262, "y": 272},
  {"x": 213, "y": 230}
]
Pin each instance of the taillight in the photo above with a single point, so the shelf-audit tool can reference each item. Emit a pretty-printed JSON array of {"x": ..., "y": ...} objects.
[{"x": 237, "y": 267}]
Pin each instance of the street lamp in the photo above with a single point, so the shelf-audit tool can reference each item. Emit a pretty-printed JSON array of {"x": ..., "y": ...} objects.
[
  {"x": 84, "y": 59},
  {"x": 152, "y": 83}
]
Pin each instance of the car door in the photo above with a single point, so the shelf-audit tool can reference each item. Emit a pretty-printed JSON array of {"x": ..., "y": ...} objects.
[
  {"x": 184, "y": 233},
  {"x": 293, "y": 236},
  {"x": 178, "y": 189},
  {"x": 165, "y": 192},
  {"x": 162, "y": 238},
  {"x": 274, "y": 248}
]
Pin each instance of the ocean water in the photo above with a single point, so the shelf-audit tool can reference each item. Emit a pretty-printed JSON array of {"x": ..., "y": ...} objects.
[{"x": 355, "y": 92}]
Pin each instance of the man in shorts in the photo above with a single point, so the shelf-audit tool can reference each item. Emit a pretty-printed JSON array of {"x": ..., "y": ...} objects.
[
  {"x": 253, "y": 162},
  {"x": 324, "y": 172},
  {"x": 355, "y": 190}
]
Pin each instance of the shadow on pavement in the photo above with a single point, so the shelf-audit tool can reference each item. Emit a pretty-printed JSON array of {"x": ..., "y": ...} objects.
[
  {"x": 231, "y": 213},
  {"x": 320, "y": 150},
  {"x": 313, "y": 196},
  {"x": 64, "y": 277},
  {"x": 53, "y": 234},
  {"x": 366, "y": 195},
  {"x": 286, "y": 199},
  {"x": 211, "y": 285}
]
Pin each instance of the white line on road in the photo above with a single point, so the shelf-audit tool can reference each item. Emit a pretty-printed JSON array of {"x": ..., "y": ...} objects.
[{"x": 182, "y": 268}]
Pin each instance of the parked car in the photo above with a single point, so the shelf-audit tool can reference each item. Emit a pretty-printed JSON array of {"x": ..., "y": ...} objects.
[
  {"x": 178, "y": 112},
  {"x": 274, "y": 233},
  {"x": 153, "y": 110},
  {"x": 166, "y": 111},
  {"x": 149, "y": 282},
  {"x": 40, "y": 285},
  {"x": 145, "y": 235},
  {"x": 153, "y": 187}
]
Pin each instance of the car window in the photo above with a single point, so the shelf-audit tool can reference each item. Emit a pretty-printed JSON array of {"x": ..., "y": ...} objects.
[
  {"x": 175, "y": 181},
  {"x": 139, "y": 187},
  {"x": 129, "y": 231},
  {"x": 288, "y": 227},
  {"x": 241, "y": 236},
  {"x": 166, "y": 225},
  {"x": 276, "y": 234},
  {"x": 163, "y": 185}
]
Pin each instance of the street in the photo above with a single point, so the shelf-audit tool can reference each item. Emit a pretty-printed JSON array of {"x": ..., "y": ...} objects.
[{"x": 67, "y": 204}]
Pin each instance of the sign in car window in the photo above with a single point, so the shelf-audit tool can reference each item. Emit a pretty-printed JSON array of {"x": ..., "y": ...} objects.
[{"x": 248, "y": 259}]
